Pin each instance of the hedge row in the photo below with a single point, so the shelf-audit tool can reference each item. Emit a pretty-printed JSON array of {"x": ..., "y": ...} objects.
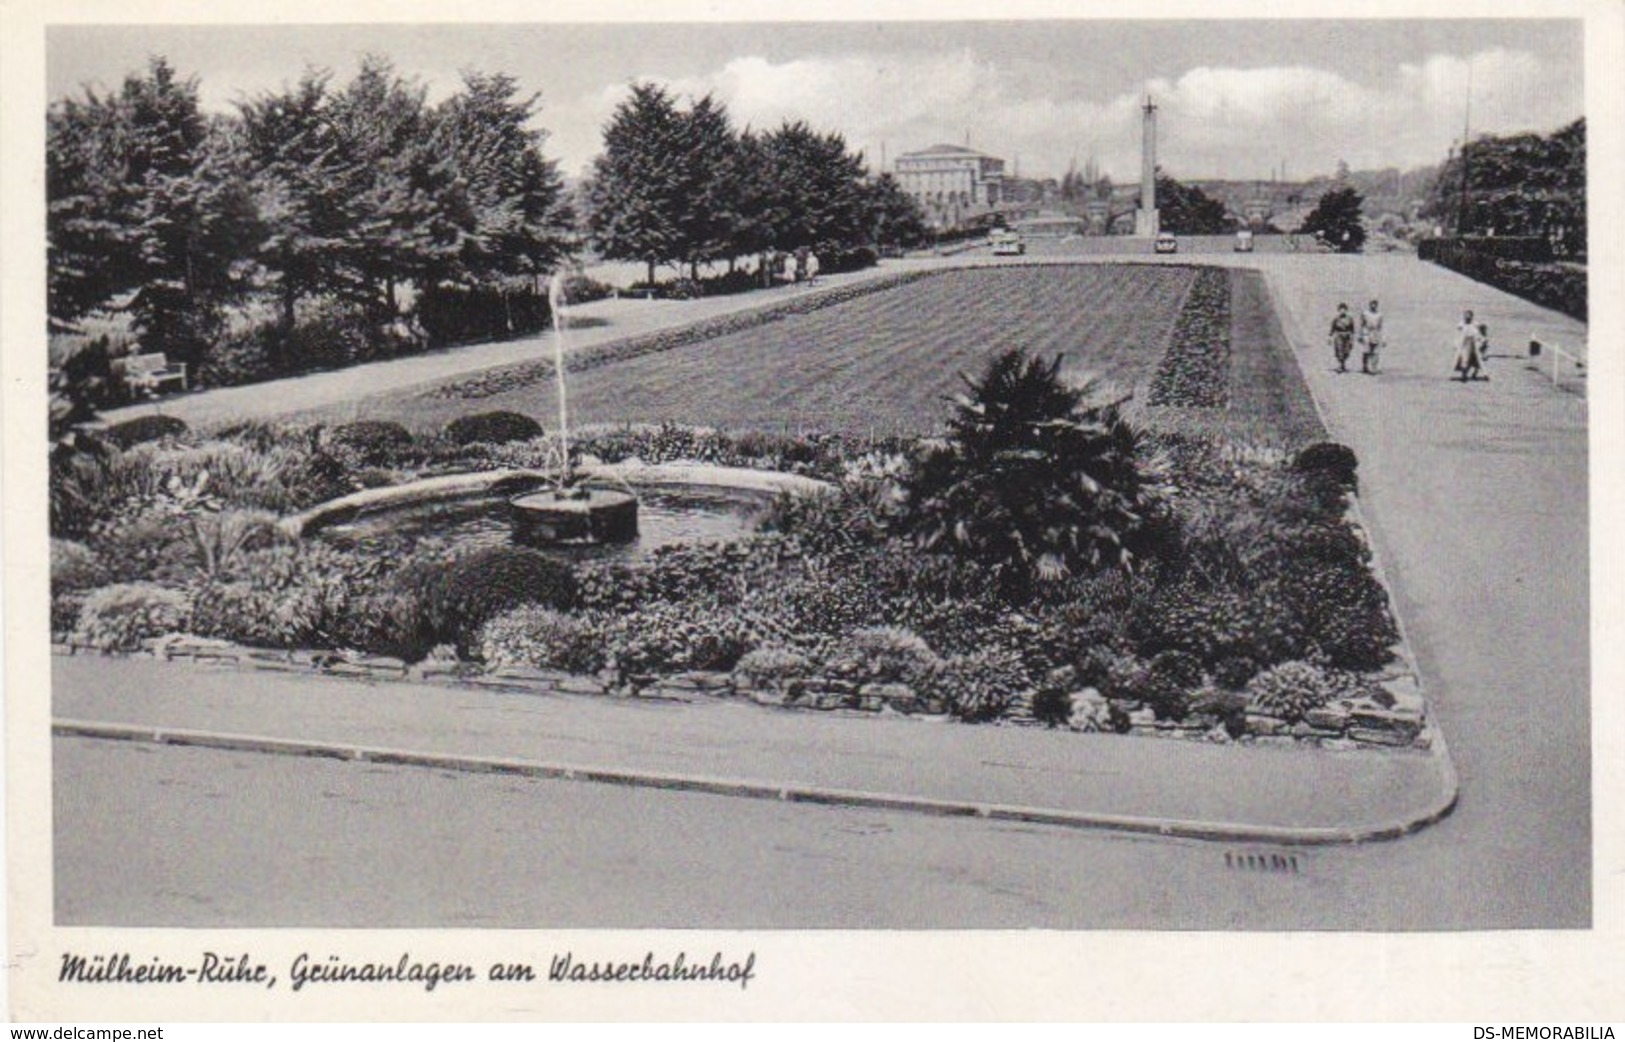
[{"x": 1556, "y": 286}]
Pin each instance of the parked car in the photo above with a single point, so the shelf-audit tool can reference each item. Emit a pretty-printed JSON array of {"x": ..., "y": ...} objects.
[
  {"x": 1167, "y": 243},
  {"x": 1244, "y": 241}
]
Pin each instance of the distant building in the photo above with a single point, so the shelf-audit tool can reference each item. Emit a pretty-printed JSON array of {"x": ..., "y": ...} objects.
[{"x": 952, "y": 184}]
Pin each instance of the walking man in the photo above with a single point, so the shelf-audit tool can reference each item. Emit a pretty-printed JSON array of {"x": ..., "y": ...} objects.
[
  {"x": 1342, "y": 337},
  {"x": 1469, "y": 348},
  {"x": 1370, "y": 337}
]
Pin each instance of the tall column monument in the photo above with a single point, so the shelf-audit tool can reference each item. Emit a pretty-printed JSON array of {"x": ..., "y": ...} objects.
[{"x": 1145, "y": 218}]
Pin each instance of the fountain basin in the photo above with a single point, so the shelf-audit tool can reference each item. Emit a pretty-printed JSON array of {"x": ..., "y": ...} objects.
[
  {"x": 576, "y": 515},
  {"x": 678, "y": 504}
]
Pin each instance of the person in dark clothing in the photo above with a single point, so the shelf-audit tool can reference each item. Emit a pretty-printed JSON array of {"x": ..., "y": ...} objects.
[{"x": 1342, "y": 337}]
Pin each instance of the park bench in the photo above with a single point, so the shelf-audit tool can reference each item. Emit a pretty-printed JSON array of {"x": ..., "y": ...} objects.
[{"x": 150, "y": 373}]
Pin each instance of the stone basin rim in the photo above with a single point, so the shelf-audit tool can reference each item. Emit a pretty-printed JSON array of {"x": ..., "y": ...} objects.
[{"x": 631, "y": 473}]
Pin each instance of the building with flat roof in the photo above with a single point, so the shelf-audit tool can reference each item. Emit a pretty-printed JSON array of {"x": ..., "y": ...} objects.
[{"x": 951, "y": 184}]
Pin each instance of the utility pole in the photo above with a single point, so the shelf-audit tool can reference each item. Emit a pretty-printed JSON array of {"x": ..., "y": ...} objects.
[{"x": 1466, "y": 129}]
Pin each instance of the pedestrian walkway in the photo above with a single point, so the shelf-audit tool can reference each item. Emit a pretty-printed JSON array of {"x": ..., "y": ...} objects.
[
  {"x": 1143, "y": 784},
  {"x": 1476, "y": 498}
]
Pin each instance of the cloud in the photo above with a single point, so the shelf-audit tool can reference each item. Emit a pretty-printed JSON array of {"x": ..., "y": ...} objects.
[{"x": 1213, "y": 120}]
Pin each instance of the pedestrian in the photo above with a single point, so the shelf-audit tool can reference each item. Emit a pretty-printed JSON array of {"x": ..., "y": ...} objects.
[
  {"x": 1469, "y": 348},
  {"x": 1370, "y": 337},
  {"x": 812, "y": 267},
  {"x": 1342, "y": 337}
]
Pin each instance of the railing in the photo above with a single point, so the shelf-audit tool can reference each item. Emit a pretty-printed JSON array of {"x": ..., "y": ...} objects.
[{"x": 1564, "y": 366}]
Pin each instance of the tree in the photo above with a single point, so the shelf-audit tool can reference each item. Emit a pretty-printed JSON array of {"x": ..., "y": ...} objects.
[
  {"x": 144, "y": 196},
  {"x": 714, "y": 182},
  {"x": 1187, "y": 210},
  {"x": 303, "y": 182},
  {"x": 638, "y": 183},
  {"x": 894, "y": 217},
  {"x": 1518, "y": 184},
  {"x": 91, "y": 253},
  {"x": 517, "y": 214},
  {"x": 1336, "y": 218},
  {"x": 815, "y": 188},
  {"x": 1032, "y": 481},
  {"x": 406, "y": 221}
]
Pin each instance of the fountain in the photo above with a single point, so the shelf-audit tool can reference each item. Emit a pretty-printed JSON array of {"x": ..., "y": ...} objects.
[{"x": 570, "y": 512}]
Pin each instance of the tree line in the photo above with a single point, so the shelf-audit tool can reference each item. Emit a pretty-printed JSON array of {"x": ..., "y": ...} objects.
[
  {"x": 348, "y": 193},
  {"x": 1516, "y": 185},
  {"x": 684, "y": 186},
  {"x": 372, "y": 208}
]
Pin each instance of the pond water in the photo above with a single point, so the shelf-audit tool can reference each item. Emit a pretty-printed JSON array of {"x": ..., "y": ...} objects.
[{"x": 667, "y": 515}]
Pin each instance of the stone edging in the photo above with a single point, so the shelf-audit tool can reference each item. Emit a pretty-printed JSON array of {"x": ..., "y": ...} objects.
[{"x": 1403, "y": 726}]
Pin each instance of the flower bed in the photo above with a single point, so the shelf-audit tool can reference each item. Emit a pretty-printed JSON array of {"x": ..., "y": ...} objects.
[
  {"x": 1195, "y": 371},
  {"x": 1236, "y": 602}
]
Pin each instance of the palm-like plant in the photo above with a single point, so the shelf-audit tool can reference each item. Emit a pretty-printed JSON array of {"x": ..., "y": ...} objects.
[{"x": 1034, "y": 480}]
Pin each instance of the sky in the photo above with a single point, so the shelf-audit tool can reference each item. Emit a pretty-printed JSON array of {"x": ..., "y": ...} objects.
[{"x": 1236, "y": 99}]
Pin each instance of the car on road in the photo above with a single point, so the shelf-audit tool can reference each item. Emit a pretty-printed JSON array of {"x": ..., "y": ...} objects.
[
  {"x": 1244, "y": 241},
  {"x": 1007, "y": 244},
  {"x": 1166, "y": 243}
]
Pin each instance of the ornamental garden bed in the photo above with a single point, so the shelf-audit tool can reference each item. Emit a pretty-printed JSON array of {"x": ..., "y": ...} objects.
[{"x": 1188, "y": 569}]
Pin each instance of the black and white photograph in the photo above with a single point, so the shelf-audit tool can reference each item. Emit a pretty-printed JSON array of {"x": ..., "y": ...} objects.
[{"x": 698, "y": 500}]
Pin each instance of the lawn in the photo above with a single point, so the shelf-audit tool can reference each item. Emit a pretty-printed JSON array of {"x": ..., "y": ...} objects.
[{"x": 881, "y": 363}]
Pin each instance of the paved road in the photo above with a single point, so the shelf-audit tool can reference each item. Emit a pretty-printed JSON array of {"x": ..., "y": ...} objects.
[
  {"x": 1477, "y": 498},
  {"x": 153, "y": 835}
]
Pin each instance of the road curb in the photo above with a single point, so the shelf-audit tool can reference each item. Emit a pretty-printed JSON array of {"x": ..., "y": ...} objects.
[{"x": 1131, "y": 824}]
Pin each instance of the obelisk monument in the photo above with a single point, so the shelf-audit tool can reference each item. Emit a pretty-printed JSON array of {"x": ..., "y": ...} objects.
[{"x": 1145, "y": 218}]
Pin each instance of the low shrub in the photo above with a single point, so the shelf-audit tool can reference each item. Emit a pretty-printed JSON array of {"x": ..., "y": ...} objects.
[
  {"x": 120, "y": 617},
  {"x": 476, "y": 587},
  {"x": 284, "y": 474},
  {"x": 829, "y": 520},
  {"x": 773, "y": 666},
  {"x": 583, "y": 289},
  {"x": 1052, "y": 706},
  {"x": 983, "y": 685},
  {"x": 1526, "y": 272},
  {"x": 1171, "y": 679},
  {"x": 332, "y": 334},
  {"x": 1344, "y": 612},
  {"x": 293, "y": 595},
  {"x": 670, "y": 638},
  {"x": 76, "y": 567},
  {"x": 453, "y": 315},
  {"x": 727, "y": 572},
  {"x": 1233, "y": 672},
  {"x": 142, "y": 429},
  {"x": 1211, "y": 624},
  {"x": 832, "y": 259},
  {"x": 393, "y": 619},
  {"x": 370, "y": 443},
  {"x": 495, "y": 428},
  {"x": 533, "y": 635},
  {"x": 883, "y": 654},
  {"x": 146, "y": 545},
  {"x": 1120, "y": 677},
  {"x": 1291, "y": 689},
  {"x": 65, "y": 608},
  {"x": 1330, "y": 460}
]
